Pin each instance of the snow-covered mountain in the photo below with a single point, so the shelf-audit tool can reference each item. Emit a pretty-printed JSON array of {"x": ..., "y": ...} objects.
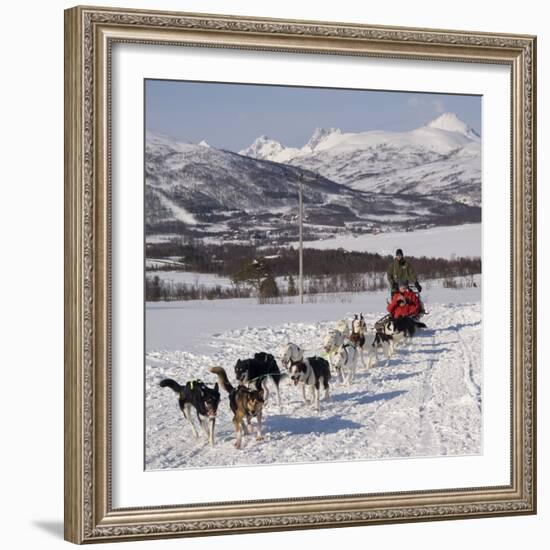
[
  {"x": 265, "y": 148},
  {"x": 185, "y": 181},
  {"x": 451, "y": 123},
  {"x": 201, "y": 191},
  {"x": 442, "y": 158}
]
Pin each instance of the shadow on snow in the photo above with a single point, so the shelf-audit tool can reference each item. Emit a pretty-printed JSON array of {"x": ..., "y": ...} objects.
[
  {"x": 361, "y": 398},
  {"x": 303, "y": 425}
]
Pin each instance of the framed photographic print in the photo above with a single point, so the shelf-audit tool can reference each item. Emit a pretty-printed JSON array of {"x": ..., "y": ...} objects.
[{"x": 300, "y": 274}]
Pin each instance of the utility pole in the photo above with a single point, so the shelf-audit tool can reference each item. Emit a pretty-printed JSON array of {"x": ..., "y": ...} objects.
[
  {"x": 301, "y": 228},
  {"x": 301, "y": 249}
]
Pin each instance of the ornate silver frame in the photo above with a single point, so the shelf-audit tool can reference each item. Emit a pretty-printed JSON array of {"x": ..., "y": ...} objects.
[{"x": 89, "y": 35}]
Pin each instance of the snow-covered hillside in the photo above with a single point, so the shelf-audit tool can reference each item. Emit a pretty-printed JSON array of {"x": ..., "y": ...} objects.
[
  {"x": 202, "y": 192},
  {"x": 425, "y": 402},
  {"x": 437, "y": 242}
]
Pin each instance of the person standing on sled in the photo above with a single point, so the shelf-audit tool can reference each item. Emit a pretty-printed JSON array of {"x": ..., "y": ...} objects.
[
  {"x": 401, "y": 270},
  {"x": 404, "y": 302}
]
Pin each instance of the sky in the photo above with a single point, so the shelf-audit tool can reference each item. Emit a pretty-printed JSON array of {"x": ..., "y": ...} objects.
[{"x": 232, "y": 116}]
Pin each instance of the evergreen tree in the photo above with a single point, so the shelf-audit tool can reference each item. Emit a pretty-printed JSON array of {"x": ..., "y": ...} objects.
[
  {"x": 268, "y": 288},
  {"x": 291, "y": 286},
  {"x": 257, "y": 275},
  {"x": 156, "y": 289}
]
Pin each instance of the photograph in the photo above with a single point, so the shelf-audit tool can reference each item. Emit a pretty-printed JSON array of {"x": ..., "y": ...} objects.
[
  {"x": 312, "y": 276},
  {"x": 300, "y": 273}
]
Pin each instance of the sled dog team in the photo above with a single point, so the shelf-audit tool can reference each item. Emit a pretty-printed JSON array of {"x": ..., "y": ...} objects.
[{"x": 344, "y": 346}]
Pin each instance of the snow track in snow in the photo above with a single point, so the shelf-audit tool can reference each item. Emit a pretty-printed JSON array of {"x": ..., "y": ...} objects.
[{"x": 425, "y": 401}]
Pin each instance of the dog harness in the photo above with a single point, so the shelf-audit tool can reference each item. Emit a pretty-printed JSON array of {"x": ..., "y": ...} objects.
[{"x": 192, "y": 383}]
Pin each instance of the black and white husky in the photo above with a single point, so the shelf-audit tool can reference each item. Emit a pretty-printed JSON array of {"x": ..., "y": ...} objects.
[
  {"x": 369, "y": 341},
  {"x": 256, "y": 371},
  {"x": 290, "y": 353},
  {"x": 313, "y": 372},
  {"x": 195, "y": 394},
  {"x": 401, "y": 329}
]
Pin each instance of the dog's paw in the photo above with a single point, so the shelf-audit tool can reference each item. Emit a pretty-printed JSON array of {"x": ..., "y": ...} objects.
[{"x": 259, "y": 438}]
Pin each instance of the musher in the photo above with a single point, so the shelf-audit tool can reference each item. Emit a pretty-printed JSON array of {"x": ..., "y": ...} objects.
[{"x": 401, "y": 270}]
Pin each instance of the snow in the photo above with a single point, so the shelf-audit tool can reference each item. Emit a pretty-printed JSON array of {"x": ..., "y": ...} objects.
[
  {"x": 320, "y": 135},
  {"x": 178, "y": 211},
  {"x": 162, "y": 237},
  {"x": 443, "y": 134},
  {"x": 425, "y": 402},
  {"x": 162, "y": 262},
  {"x": 194, "y": 278},
  {"x": 269, "y": 149},
  {"x": 456, "y": 176},
  {"x": 361, "y": 176},
  {"x": 429, "y": 160},
  {"x": 451, "y": 123},
  {"x": 440, "y": 242},
  {"x": 209, "y": 280}
]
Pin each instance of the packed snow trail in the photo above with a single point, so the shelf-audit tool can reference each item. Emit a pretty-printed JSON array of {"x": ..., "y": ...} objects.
[{"x": 426, "y": 401}]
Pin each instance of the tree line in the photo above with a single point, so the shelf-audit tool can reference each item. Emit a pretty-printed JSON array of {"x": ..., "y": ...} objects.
[{"x": 228, "y": 259}]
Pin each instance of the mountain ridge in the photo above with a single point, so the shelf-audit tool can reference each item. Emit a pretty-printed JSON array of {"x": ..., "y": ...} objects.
[{"x": 206, "y": 192}]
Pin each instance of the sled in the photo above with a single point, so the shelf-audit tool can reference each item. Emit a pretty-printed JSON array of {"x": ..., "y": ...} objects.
[
  {"x": 379, "y": 325},
  {"x": 422, "y": 310}
]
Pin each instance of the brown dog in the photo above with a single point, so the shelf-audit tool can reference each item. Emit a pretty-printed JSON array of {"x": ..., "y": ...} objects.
[{"x": 245, "y": 404}]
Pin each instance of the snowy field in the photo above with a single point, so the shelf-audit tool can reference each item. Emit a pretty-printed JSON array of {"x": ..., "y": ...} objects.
[
  {"x": 192, "y": 278},
  {"x": 436, "y": 242},
  {"x": 425, "y": 402},
  {"x": 440, "y": 242}
]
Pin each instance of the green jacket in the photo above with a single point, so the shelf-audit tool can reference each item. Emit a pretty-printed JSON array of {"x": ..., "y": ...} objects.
[{"x": 401, "y": 271}]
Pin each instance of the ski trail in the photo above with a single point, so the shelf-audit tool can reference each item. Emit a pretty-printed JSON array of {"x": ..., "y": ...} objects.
[{"x": 428, "y": 438}]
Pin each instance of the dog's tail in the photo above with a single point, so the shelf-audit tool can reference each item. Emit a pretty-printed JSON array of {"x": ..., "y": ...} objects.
[
  {"x": 222, "y": 378},
  {"x": 420, "y": 325},
  {"x": 172, "y": 384}
]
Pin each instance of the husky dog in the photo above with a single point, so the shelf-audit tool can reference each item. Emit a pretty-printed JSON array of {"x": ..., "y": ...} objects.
[
  {"x": 333, "y": 339},
  {"x": 358, "y": 329},
  {"x": 401, "y": 329},
  {"x": 313, "y": 372},
  {"x": 342, "y": 355},
  {"x": 357, "y": 336},
  {"x": 385, "y": 341},
  {"x": 343, "y": 327},
  {"x": 245, "y": 405},
  {"x": 344, "y": 360},
  {"x": 290, "y": 353},
  {"x": 197, "y": 395},
  {"x": 371, "y": 342},
  {"x": 257, "y": 370}
]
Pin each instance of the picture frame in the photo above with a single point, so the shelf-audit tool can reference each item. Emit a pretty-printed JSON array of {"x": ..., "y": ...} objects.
[{"x": 90, "y": 34}]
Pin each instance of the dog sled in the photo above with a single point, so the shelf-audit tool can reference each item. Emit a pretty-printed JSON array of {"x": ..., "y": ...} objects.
[{"x": 382, "y": 322}]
